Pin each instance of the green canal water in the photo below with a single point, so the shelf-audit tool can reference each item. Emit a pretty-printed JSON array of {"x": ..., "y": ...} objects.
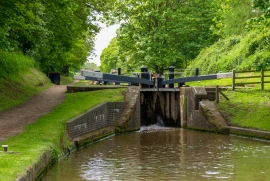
[{"x": 160, "y": 153}]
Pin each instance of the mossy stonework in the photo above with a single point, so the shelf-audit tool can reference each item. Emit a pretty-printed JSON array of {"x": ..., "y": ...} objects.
[
  {"x": 130, "y": 120},
  {"x": 36, "y": 171},
  {"x": 97, "y": 123},
  {"x": 191, "y": 117}
]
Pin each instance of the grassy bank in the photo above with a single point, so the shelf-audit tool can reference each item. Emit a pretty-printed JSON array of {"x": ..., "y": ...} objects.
[
  {"x": 19, "y": 79},
  {"x": 244, "y": 52},
  {"x": 247, "y": 107},
  {"x": 64, "y": 80},
  {"x": 46, "y": 133}
]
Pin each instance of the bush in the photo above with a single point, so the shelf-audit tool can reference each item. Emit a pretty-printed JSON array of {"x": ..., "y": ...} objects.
[
  {"x": 245, "y": 52},
  {"x": 13, "y": 63}
]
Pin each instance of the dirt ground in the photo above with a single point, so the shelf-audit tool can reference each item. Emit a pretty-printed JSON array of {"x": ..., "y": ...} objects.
[{"x": 14, "y": 120}]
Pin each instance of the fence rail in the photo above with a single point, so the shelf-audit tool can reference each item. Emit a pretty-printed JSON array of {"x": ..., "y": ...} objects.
[{"x": 261, "y": 76}]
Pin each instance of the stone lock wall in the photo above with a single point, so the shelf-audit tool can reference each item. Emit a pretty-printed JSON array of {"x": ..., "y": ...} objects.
[
  {"x": 189, "y": 108},
  {"x": 197, "y": 112},
  {"x": 101, "y": 116},
  {"x": 131, "y": 117}
]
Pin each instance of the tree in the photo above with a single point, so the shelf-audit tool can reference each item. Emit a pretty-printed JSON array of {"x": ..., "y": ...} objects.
[
  {"x": 165, "y": 33},
  {"x": 262, "y": 22},
  {"x": 90, "y": 66},
  {"x": 21, "y": 25},
  {"x": 232, "y": 17},
  {"x": 57, "y": 34},
  {"x": 109, "y": 56}
]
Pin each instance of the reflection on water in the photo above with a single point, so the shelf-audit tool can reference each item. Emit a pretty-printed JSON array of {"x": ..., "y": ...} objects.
[{"x": 162, "y": 153}]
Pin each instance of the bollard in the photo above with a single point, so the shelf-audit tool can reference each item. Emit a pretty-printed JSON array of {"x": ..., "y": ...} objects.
[
  {"x": 197, "y": 72},
  {"x": 158, "y": 82},
  {"x": 144, "y": 75},
  {"x": 5, "y": 148},
  {"x": 171, "y": 75},
  {"x": 118, "y": 73}
]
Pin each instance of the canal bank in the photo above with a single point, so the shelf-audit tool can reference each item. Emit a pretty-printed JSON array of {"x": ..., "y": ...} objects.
[
  {"x": 47, "y": 134},
  {"x": 64, "y": 141},
  {"x": 101, "y": 121}
]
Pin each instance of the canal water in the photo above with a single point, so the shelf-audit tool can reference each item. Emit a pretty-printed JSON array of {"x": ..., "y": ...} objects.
[{"x": 160, "y": 153}]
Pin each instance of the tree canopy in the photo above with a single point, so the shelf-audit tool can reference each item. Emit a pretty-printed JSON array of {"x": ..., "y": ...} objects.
[
  {"x": 57, "y": 34},
  {"x": 109, "y": 57},
  {"x": 232, "y": 17},
  {"x": 159, "y": 34},
  {"x": 248, "y": 49}
]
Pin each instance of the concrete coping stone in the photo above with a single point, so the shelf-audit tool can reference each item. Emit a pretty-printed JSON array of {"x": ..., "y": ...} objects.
[{"x": 199, "y": 91}]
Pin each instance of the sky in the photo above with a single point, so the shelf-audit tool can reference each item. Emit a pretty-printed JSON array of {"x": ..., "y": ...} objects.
[{"x": 103, "y": 39}]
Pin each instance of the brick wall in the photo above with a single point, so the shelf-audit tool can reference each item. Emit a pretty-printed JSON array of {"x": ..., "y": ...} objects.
[{"x": 101, "y": 116}]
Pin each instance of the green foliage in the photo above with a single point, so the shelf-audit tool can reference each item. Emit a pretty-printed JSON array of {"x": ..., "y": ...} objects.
[
  {"x": 58, "y": 34},
  {"x": 109, "y": 57},
  {"x": 159, "y": 34},
  {"x": 66, "y": 45},
  {"x": 262, "y": 5},
  {"x": 21, "y": 86},
  {"x": 245, "y": 52},
  {"x": 19, "y": 79},
  {"x": 90, "y": 66},
  {"x": 11, "y": 64},
  {"x": 46, "y": 133},
  {"x": 262, "y": 22},
  {"x": 232, "y": 16},
  {"x": 64, "y": 80}
]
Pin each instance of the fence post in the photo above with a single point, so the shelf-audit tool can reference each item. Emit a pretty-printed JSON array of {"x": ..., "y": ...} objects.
[
  {"x": 217, "y": 94},
  {"x": 262, "y": 78},
  {"x": 233, "y": 80}
]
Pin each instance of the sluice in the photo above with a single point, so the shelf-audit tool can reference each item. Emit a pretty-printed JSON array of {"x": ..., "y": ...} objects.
[{"x": 160, "y": 104}]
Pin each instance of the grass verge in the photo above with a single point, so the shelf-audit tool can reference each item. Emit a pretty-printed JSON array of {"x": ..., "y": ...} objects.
[
  {"x": 19, "y": 79},
  {"x": 64, "y": 80},
  {"x": 46, "y": 132},
  {"x": 248, "y": 108},
  {"x": 20, "y": 87}
]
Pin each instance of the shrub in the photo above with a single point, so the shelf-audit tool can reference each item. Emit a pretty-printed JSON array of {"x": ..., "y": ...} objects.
[
  {"x": 245, "y": 52},
  {"x": 13, "y": 63}
]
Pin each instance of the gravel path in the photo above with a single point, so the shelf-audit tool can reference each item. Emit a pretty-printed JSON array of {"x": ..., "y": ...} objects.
[{"x": 13, "y": 121}]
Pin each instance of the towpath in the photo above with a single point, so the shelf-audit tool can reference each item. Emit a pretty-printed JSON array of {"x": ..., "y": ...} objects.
[{"x": 13, "y": 121}]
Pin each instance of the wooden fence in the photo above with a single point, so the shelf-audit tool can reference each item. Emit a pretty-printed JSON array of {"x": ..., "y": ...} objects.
[{"x": 261, "y": 77}]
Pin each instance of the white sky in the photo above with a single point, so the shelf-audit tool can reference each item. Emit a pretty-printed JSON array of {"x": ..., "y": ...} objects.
[{"x": 103, "y": 39}]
